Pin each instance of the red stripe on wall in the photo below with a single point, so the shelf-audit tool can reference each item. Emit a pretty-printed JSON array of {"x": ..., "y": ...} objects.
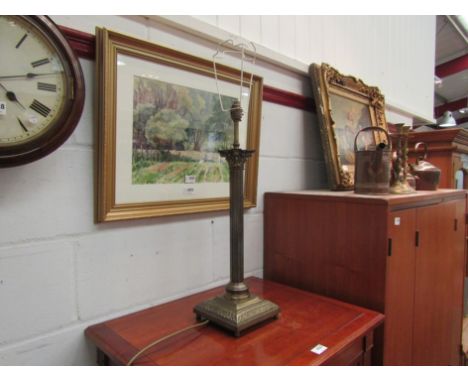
[
  {"x": 450, "y": 106},
  {"x": 462, "y": 120},
  {"x": 286, "y": 98},
  {"x": 82, "y": 43},
  {"x": 84, "y": 46},
  {"x": 455, "y": 66}
]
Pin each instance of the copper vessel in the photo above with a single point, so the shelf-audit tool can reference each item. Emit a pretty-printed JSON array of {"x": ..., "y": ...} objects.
[
  {"x": 372, "y": 171},
  {"x": 426, "y": 174}
]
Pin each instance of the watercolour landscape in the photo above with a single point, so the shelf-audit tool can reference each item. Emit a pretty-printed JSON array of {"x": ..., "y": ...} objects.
[{"x": 177, "y": 132}]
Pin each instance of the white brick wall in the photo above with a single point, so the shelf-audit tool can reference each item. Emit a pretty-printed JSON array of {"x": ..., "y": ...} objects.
[
  {"x": 37, "y": 290},
  {"x": 132, "y": 266},
  {"x": 60, "y": 272}
]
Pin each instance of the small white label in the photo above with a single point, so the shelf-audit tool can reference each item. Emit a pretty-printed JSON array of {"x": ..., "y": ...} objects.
[
  {"x": 318, "y": 349},
  {"x": 397, "y": 221},
  {"x": 190, "y": 179},
  {"x": 2, "y": 108},
  {"x": 32, "y": 119},
  {"x": 189, "y": 190}
]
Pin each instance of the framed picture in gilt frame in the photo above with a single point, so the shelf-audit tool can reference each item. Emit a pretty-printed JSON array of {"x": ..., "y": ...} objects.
[
  {"x": 161, "y": 125},
  {"x": 345, "y": 105}
]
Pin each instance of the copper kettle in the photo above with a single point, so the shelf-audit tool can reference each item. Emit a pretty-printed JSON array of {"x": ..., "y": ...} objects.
[{"x": 426, "y": 174}]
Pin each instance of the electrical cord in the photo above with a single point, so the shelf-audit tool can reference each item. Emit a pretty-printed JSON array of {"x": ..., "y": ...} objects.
[{"x": 130, "y": 362}]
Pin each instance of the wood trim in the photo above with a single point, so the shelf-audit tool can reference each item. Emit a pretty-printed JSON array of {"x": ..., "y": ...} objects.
[
  {"x": 451, "y": 67},
  {"x": 441, "y": 140},
  {"x": 84, "y": 46},
  {"x": 285, "y": 98},
  {"x": 457, "y": 135},
  {"x": 390, "y": 201},
  {"x": 82, "y": 43},
  {"x": 462, "y": 120},
  {"x": 450, "y": 106},
  {"x": 106, "y": 340}
]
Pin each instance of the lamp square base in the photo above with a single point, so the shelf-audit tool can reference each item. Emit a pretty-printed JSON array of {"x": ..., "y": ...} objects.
[{"x": 236, "y": 315}]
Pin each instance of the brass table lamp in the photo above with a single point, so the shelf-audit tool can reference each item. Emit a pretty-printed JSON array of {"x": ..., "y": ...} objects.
[{"x": 237, "y": 309}]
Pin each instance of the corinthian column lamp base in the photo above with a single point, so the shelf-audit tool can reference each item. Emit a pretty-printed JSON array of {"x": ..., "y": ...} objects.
[
  {"x": 237, "y": 309},
  {"x": 236, "y": 315}
]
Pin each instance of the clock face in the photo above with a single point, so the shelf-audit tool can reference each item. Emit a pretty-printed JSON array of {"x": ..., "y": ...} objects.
[
  {"x": 32, "y": 82},
  {"x": 40, "y": 79}
]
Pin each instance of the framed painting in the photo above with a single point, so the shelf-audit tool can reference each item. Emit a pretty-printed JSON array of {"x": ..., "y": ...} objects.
[
  {"x": 161, "y": 125},
  {"x": 345, "y": 105}
]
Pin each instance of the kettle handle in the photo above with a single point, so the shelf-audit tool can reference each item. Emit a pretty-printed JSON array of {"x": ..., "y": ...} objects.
[
  {"x": 389, "y": 142},
  {"x": 416, "y": 146}
]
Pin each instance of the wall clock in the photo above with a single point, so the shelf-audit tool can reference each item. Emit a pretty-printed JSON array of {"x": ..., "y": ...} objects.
[{"x": 41, "y": 89}]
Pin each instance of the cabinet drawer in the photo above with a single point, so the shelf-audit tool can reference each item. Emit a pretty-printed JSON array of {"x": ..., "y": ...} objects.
[{"x": 352, "y": 355}]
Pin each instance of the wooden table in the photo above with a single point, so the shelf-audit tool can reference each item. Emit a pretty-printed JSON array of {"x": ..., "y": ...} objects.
[{"x": 306, "y": 320}]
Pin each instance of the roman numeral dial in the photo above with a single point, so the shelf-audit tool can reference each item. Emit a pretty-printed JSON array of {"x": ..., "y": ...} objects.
[
  {"x": 21, "y": 41},
  {"x": 40, "y": 108},
  {"x": 41, "y": 62},
  {"x": 46, "y": 87}
]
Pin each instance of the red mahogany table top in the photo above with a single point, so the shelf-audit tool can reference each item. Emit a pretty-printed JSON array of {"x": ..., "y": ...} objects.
[{"x": 305, "y": 320}]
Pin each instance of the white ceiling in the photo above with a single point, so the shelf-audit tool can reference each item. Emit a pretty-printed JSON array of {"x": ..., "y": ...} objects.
[
  {"x": 453, "y": 87},
  {"x": 451, "y": 43}
]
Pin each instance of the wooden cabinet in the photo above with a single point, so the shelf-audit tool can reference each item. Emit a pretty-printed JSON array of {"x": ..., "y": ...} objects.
[
  {"x": 400, "y": 255},
  {"x": 448, "y": 150}
]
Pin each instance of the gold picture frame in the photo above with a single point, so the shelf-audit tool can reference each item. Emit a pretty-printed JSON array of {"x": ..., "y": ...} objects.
[
  {"x": 156, "y": 144},
  {"x": 345, "y": 105}
]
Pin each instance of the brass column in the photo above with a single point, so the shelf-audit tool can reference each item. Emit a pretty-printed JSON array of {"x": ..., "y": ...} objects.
[
  {"x": 237, "y": 309},
  {"x": 236, "y": 159}
]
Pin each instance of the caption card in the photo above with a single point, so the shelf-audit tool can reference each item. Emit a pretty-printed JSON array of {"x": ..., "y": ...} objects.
[{"x": 318, "y": 349}]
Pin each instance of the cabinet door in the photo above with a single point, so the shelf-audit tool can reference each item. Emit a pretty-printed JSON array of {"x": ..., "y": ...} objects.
[
  {"x": 439, "y": 284},
  {"x": 399, "y": 290}
]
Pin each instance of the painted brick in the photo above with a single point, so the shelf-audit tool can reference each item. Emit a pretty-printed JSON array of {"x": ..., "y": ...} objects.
[
  {"x": 37, "y": 290},
  {"x": 277, "y": 174},
  {"x": 127, "y": 267},
  {"x": 289, "y": 133},
  {"x": 47, "y": 198},
  {"x": 65, "y": 347}
]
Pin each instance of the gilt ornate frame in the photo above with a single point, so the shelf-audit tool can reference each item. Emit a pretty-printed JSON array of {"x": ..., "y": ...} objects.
[
  {"x": 123, "y": 63},
  {"x": 335, "y": 94}
]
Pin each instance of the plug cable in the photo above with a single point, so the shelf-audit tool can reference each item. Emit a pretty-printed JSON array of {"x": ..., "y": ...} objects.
[{"x": 173, "y": 334}]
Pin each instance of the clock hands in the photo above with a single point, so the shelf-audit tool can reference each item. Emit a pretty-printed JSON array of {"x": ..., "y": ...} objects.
[
  {"x": 22, "y": 124},
  {"x": 28, "y": 75},
  {"x": 12, "y": 96}
]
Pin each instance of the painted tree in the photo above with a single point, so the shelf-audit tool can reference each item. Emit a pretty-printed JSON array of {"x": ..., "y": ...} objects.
[
  {"x": 220, "y": 124},
  {"x": 166, "y": 130},
  {"x": 197, "y": 117}
]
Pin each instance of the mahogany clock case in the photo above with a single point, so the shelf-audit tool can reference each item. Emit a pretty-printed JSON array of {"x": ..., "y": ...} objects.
[{"x": 62, "y": 126}]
